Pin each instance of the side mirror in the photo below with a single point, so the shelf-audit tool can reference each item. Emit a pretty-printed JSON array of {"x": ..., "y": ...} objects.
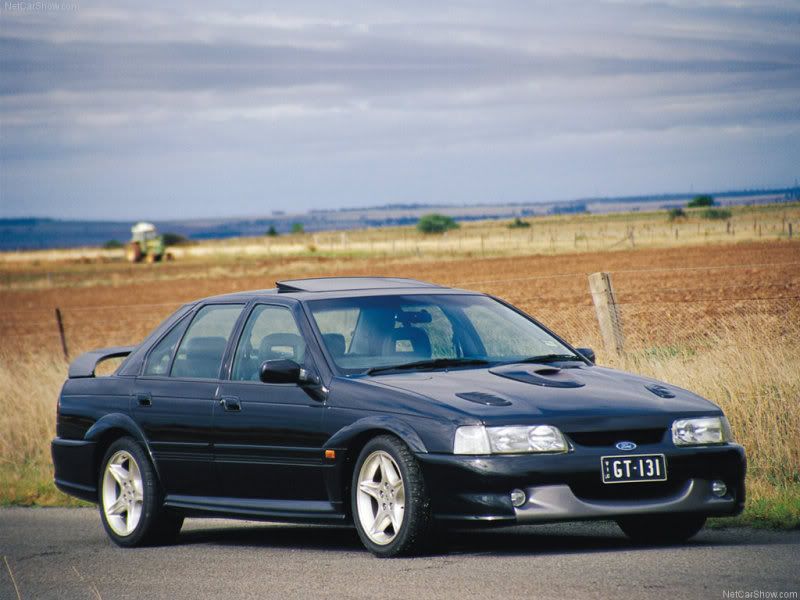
[
  {"x": 588, "y": 353},
  {"x": 280, "y": 371}
]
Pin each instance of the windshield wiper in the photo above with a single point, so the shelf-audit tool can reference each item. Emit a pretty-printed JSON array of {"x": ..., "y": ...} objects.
[
  {"x": 436, "y": 363},
  {"x": 548, "y": 358}
]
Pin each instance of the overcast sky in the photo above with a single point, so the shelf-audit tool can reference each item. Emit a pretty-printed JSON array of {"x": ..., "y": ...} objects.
[{"x": 128, "y": 110}]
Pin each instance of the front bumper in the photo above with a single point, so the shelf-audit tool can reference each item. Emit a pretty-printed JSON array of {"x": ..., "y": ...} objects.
[{"x": 565, "y": 487}]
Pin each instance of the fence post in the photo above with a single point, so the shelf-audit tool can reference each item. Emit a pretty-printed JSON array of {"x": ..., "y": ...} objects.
[
  {"x": 608, "y": 316},
  {"x": 60, "y": 323}
]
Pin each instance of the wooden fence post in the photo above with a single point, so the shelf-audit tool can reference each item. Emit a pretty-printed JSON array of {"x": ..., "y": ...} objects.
[
  {"x": 60, "y": 323},
  {"x": 607, "y": 309}
]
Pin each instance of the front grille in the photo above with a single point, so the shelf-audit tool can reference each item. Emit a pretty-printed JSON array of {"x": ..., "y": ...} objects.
[
  {"x": 609, "y": 438},
  {"x": 649, "y": 490}
]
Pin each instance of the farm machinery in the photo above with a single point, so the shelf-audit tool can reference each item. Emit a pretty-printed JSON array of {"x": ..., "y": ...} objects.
[{"x": 145, "y": 245}]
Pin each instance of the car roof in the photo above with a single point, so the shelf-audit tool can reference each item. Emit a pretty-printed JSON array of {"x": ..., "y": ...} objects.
[{"x": 331, "y": 287}]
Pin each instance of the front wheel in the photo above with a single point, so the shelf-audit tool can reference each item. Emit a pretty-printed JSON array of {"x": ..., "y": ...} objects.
[
  {"x": 130, "y": 498},
  {"x": 661, "y": 529},
  {"x": 390, "y": 504}
]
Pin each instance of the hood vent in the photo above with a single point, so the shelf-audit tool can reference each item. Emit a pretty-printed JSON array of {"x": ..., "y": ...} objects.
[
  {"x": 660, "y": 390},
  {"x": 484, "y": 398},
  {"x": 542, "y": 375}
]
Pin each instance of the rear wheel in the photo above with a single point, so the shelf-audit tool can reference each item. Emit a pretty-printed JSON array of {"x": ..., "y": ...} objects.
[
  {"x": 390, "y": 504},
  {"x": 661, "y": 529},
  {"x": 130, "y": 498}
]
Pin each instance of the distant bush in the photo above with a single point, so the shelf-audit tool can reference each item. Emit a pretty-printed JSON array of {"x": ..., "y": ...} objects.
[
  {"x": 675, "y": 213},
  {"x": 518, "y": 223},
  {"x": 716, "y": 213},
  {"x": 112, "y": 245},
  {"x": 174, "y": 239},
  {"x": 272, "y": 232},
  {"x": 436, "y": 223},
  {"x": 701, "y": 201},
  {"x": 298, "y": 228}
]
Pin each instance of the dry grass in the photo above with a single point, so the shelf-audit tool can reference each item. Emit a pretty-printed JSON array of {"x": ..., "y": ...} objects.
[{"x": 749, "y": 367}]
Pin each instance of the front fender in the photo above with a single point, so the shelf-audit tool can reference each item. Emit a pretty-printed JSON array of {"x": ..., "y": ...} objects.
[
  {"x": 391, "y": 423},
  {"x": 119, "y": 421}
]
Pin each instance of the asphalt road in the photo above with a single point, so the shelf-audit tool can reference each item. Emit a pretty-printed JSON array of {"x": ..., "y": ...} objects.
[{"x": 64, "y": 553}]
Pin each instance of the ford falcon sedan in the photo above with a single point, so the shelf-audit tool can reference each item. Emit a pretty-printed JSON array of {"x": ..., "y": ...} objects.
[{"x": 394, "y": 405}]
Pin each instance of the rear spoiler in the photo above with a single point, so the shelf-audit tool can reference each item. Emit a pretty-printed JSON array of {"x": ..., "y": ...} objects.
[{"x": 85, "y": 364}]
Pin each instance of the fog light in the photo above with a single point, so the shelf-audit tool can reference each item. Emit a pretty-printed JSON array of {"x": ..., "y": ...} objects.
[
  {"x": 718, "y": 488},
  {"x": 518, "y": 498}
]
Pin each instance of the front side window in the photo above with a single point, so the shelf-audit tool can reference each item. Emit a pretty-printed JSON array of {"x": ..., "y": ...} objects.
[
  {"x": 202, "y": 348},
  {"x": 381, "y": 331},
  {"x": 271, "y": 333}
]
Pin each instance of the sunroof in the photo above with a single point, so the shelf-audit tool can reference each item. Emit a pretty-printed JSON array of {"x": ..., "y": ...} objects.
[{"x": 342, "y": 284}]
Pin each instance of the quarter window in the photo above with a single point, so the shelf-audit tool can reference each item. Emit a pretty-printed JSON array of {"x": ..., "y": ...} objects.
[
  {"x": 201, "y": 351},
  {"x": 161, "y": 354}
]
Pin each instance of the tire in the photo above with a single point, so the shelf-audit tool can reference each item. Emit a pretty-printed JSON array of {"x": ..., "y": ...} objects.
[
  {"x": 130, "y": 498},
  {"x": 387, "y": 475},
  {"x": 661, "y": 529}
]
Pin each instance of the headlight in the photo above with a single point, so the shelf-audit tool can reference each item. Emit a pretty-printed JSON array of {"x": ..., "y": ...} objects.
[
  {"x": 516, "y": 439},
  {"x": 704, "y": 430}
]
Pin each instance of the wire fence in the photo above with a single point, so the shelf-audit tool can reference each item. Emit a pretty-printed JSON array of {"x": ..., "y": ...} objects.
[{"x": 662, "y": 309}]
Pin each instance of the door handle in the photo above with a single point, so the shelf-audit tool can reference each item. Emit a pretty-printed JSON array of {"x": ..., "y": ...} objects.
[
  {"x": 231, "y": 403},
  {"x": 144, "y": 400}
]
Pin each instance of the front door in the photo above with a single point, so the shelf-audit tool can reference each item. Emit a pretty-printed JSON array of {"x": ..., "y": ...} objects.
[
  {"x": 175, "y": 396},
  {"x": 268, "y": 437}
]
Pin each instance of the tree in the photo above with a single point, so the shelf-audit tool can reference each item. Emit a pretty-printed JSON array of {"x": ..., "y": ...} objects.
[
  {"x": 518, "y": 223},
  {"x": 112, "y": 245},
  {"x": 272, "y": 232},
  {"x": 675, "y": 213},
  {"x": 174, "y": 239},
  {"x": 435, "y": 223},
  {"x": 298, "y": 228},
  {"x": 701, "y": 201}
]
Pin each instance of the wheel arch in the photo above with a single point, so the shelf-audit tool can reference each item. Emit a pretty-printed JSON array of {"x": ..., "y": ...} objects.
[
  {"x": 112, "y": 427},
  {"x": 352, "y": 439}
]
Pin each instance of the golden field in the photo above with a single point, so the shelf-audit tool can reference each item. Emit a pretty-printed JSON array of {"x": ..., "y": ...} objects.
[{"x": 713, "y": 306}]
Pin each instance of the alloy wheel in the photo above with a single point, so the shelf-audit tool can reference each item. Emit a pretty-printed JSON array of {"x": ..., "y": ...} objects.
[{"x": 380, "y": 498}]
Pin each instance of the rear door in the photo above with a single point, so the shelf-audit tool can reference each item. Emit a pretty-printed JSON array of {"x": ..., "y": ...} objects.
[
  {"x": 175, "y": 396},
  {"x": 268, "y": 437}
]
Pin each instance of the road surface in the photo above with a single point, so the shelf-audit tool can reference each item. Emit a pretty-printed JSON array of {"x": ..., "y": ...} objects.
[{"x": 64, "y": 553}]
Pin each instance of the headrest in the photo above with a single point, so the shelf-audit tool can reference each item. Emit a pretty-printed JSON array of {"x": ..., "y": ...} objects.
[
  {"x": 211, "y": 346},
  {"x": 275, "y": 345},
  {"x": 418, "y": 340},
  {"x": 335, "y": 343}
]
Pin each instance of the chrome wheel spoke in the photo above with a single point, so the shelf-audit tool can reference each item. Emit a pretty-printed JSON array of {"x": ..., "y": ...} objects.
[
  {"x": 372, "y": 488},
  {"x": 119, "y": 473},
  {"x": 118, "y": 507},
  {"x": 388, "y": 470}
]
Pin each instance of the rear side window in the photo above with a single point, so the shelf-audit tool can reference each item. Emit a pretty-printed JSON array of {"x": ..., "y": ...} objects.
[
  {"x": 202, "y": 348},
  {"x": 161, "y": 355}
]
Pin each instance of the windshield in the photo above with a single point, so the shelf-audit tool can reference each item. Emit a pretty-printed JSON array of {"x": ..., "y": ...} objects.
[{"x": 443, "y": 330}]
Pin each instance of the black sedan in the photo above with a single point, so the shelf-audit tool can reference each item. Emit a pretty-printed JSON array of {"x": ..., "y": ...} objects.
[{"x": 394, "y": 404}]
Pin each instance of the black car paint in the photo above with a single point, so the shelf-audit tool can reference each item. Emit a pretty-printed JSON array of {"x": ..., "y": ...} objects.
[{"x": 267, "y": 459}]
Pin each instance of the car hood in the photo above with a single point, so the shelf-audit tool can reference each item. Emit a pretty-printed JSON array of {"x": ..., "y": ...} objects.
[{"x": 587, "y": 396}]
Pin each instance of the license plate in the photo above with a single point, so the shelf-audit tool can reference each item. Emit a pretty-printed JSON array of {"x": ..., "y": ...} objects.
[{"x": 633, "y": 468}]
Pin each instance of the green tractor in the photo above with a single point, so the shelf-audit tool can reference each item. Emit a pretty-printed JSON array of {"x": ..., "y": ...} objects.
[{"x": 145, "y": 245}]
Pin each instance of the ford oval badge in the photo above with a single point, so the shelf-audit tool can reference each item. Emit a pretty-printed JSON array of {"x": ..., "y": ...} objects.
[{"x": 625, "y": 446}]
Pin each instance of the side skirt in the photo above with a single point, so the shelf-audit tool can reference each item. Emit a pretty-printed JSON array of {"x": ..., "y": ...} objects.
[{"x": 307, "y": 511}]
